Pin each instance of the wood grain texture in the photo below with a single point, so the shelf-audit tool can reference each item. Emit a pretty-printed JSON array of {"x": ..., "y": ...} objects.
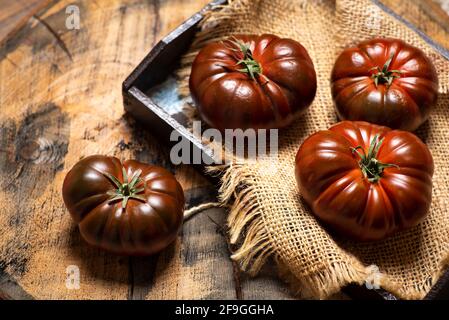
[
  {"x": 60, "y": 96},
  {"x": 60, "y": 100},
  {"x": 14, "y": 14},
  {"x": 433, "y": 20}
]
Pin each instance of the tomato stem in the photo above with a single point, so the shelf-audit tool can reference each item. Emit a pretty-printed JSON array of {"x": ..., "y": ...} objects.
[
  {"x": 126, "y": 190},
  {"x": 384, "y": 75},
  {"x": 250, "y": 65},
  {"x": 371, "y": 167}
]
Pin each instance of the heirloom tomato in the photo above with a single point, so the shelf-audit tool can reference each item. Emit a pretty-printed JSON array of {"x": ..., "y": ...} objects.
[
  {"x": 251, "y": 81},
  {"x": 128, "y": 208},
  {"x": 384, "y": 81},
  {"x": 365, "y": 181}
]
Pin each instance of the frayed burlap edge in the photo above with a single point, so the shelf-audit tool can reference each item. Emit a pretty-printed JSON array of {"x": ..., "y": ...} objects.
[
  {"x": 245, "y": 220},
  {"x": 245, "y": 216}
]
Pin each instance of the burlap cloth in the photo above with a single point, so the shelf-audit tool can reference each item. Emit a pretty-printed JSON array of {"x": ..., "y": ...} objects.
[{"x": 267, "y": 216}]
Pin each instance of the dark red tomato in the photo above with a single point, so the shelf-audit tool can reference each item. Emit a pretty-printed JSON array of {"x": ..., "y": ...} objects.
[
  {"x": 127, "y": 208},
  {"x": 365, "y": 181},
  {"x": 384, "y": 81},
  {"x": 251, "y": 81}
]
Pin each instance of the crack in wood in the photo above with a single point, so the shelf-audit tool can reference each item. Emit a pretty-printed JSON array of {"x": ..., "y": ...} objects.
[
  {"x": 141, "y": 273},
  {"x": 4, "y": 56},
  {"x": 157, "y": 21},
  {"x": 235, "y": 267},
  {"x": 16, "y": 175},
  {"x": 59, "y": 40},
  {"x": 130, "y": 279}
]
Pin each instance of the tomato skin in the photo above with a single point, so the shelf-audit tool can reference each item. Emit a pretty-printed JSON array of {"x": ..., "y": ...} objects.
[
  {"x": 405, "y": 104},
  {"x": 228, "y": 98},
  {"x": 142, "y": 227},
  {"x": 332, "y": 183}
]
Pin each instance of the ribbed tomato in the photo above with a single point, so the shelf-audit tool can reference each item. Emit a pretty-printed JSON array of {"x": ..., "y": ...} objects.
[
  {"x": 127, "y": 208},
  {"x": 384, "y": 81},
  {"x": 250, "y": 81},
  {"x": 365, "y": 181}
]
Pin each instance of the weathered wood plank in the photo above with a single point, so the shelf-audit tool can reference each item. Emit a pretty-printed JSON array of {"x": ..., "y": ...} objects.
[
  {"x": 15, "y": 14},
  {"x": 433, "y": 20},
  {"x": 61, "y": 100}
]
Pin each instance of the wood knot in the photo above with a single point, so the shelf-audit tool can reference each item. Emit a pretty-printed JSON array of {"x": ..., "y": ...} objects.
[
  {"x": 42, "y": 137},
  {"x": 41, "y": 151}
]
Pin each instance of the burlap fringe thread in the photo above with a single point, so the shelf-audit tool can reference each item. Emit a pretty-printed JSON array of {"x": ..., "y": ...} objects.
[
  {"x": 245, "y": 219},
  {"x": 244, "y": 214}
]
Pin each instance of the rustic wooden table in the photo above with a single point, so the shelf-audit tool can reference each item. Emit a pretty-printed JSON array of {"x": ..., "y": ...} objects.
[{"x": 60, "y": 100}]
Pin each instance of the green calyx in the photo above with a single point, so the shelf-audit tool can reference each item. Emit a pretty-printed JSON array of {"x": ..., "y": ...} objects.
[
  {"x": 249, "y": 64},
  {"x": 371, "y": 167},
  {"x": 126, "y": 190},
  {"x": 384, "y": 75}
]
